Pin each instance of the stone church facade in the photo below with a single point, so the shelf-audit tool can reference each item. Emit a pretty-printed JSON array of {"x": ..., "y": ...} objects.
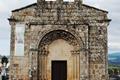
[{"x": 65, "y": 37}]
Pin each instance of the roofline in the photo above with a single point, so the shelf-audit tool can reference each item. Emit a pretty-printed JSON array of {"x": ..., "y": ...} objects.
[
  {"x": 95, "y": 8},
  {"x": 36, "y": 4},
  {"x": 12, "y": 19},
  {"x": 24, "y": 7}
]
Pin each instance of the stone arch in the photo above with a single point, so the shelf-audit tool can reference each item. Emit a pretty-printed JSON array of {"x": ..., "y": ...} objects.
[
  {"x": 49, "y": 37},
  {"x": 72, "y": 32},
  {"x": 73, "y": 59}
]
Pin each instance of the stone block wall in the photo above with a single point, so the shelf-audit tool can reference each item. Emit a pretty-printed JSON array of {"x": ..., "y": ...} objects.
[{"x": 86, "y": 23}]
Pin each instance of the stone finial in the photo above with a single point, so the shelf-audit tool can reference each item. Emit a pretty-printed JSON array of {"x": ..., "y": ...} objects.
[{"x": 78, "y": 1}]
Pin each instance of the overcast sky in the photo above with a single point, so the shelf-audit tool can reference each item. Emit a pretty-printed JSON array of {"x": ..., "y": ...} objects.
[{"x": 110, "y": 5}]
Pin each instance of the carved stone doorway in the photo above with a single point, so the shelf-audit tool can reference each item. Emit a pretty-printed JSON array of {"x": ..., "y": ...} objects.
[
  {"x": 59, "y": 70},
  {"x": 59, "y": 45}
]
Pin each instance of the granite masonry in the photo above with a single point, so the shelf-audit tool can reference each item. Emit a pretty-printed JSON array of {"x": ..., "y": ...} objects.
[{"x": 59, "y": 31}]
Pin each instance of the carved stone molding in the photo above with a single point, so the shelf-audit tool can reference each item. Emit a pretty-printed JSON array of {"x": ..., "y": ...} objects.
[
  {"x": 58, "y": 34},
  {"x": 75, "y": 52}
]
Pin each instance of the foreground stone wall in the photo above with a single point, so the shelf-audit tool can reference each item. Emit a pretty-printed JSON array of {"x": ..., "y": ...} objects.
[{"x": 86, "y": 23}]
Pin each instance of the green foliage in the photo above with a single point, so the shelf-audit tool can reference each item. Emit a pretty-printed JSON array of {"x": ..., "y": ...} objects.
[
  {"x": 4, "y": 59},
  {"x": 114, "y": 69}
]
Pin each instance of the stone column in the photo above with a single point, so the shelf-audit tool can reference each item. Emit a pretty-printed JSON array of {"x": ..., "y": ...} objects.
[
  {"x": 40, "y": 66},
  {"x": 76, "y": 65},
  {"x": 43, "y": 65},
  {"x": 12, "y": 47}
]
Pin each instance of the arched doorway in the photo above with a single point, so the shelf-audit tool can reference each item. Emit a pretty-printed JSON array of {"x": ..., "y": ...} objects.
[{"x": 59, "y": 48}]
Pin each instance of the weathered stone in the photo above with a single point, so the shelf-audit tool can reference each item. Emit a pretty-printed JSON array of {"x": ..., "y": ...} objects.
[{"x": 58, "y": 30}]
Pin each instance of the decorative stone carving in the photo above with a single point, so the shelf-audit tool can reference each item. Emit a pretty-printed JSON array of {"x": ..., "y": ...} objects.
[
  {"x": 83, "y": 27},
  {"x": 58, "y": 34}
]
